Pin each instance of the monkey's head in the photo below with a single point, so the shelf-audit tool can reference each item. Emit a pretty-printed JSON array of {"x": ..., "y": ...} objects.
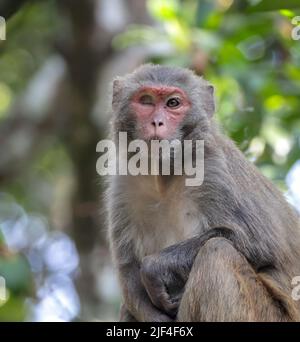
[{"x": 162, "y": 102}]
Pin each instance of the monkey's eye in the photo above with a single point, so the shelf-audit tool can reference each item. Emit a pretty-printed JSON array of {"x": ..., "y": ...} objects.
[
  {"x": 146, "y": 100},
  {"x": 173, "y": 102}
]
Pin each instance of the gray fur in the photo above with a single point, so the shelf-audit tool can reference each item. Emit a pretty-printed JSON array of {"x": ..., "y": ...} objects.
[{"x": 144, "y": 221}]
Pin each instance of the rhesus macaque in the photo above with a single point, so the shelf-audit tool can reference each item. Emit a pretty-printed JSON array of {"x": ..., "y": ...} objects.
[{"x": 226, "y": 250}]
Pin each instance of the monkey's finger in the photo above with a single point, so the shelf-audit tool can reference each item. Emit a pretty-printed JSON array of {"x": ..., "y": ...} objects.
[
  {"x": 160, "y": 298},
  {"x": 155, "y": 315}
]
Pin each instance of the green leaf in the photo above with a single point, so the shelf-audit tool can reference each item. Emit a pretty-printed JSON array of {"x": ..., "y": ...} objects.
[
  {"x": 163, "y": 9},
  {"x": 204, "y": 9},
  {"x": 16, "y": 272},
  {"x": 274, "y": 5},
  {"x": 1, "y": 239},
  {"x": 13, "y": 310}
]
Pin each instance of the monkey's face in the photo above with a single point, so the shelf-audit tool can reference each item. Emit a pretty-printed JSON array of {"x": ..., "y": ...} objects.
[
  {"x": 159, "y": 111},
  {"x": 162, "y": 103}
]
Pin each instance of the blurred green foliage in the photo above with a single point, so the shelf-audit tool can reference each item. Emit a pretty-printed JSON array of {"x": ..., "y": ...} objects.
[
  {"x": 243, "y": 47},
  {"x": 15, "y": 270},
  {"x": 29, "y": 41},
  {"x": 30, "y": 38}
]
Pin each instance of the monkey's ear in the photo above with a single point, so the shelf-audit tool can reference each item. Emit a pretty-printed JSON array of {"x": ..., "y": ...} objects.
[
  {"x": 209, "y": 102},
  {"x": 117, "y": 88}
]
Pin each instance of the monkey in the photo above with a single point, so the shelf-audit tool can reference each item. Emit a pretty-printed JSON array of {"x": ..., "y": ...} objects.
[{"x": 225, "y": 250}]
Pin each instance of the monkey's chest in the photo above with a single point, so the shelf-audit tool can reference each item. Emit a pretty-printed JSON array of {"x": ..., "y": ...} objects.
[{"x": 163, "y": 223}]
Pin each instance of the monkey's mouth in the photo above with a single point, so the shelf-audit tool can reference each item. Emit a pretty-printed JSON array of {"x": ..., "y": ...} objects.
[
  {"x": 155, "y": 137},
  {"x": 151, "y": 138}
]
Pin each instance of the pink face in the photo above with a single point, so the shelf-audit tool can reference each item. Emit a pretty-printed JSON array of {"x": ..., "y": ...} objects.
[{"x": 159, "y": 110}]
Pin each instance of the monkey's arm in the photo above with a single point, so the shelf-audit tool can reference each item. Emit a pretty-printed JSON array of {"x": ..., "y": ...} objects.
[
  {"x": 223, "y": 286},
  {"x": 164, "y": 275},
  {"x": 136, "y": 299}
]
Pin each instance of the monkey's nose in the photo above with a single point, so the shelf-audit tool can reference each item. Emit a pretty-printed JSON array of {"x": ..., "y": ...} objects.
[{"x": 157, "y": 123}]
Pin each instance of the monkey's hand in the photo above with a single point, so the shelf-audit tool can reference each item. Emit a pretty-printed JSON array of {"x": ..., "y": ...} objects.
[
  {"x": 164, "y": 280},
  {"x": 137, "y": 304},
  {"x": 164, "y": 274}
]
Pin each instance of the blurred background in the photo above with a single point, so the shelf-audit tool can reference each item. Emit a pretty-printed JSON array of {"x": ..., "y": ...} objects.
[{"x": 56, "y": 67}]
